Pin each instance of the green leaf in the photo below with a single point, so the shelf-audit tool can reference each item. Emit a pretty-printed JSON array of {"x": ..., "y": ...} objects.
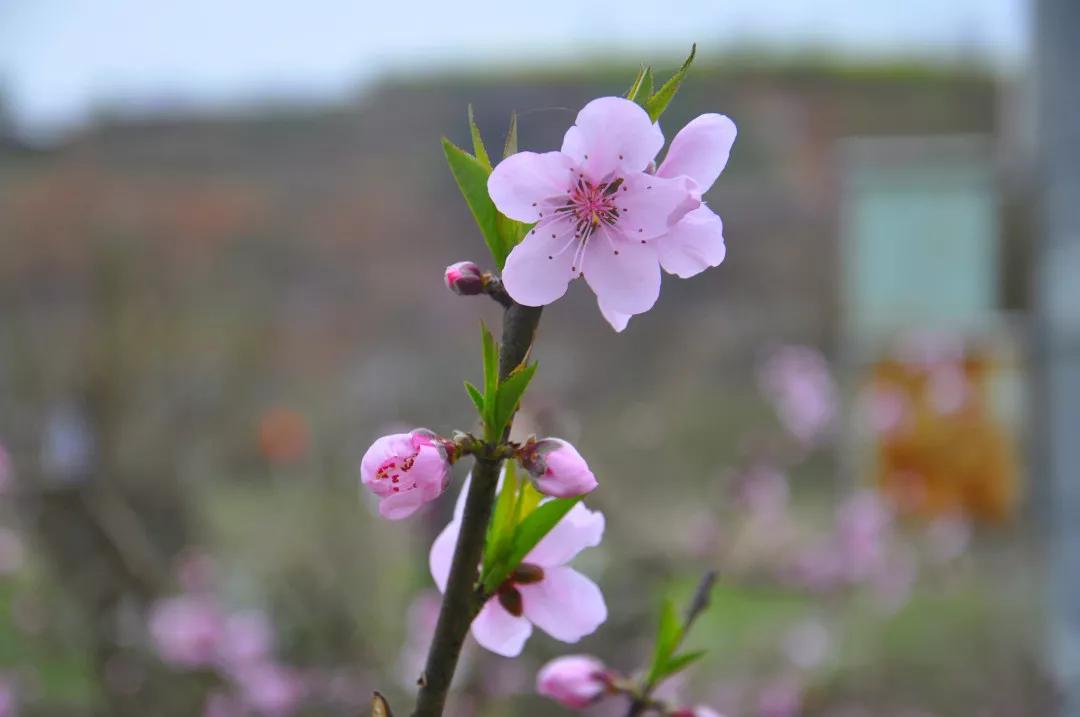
[
  {"x": 656, "y": 104},
  {"x": 527, "y": 534},
  {"x": 668, "y": 635},
  {"x": 478, "y": 142},
  {"x": 677, "y": 663},
  {"x": 511, "y": 146},
  {"x": 641, "y": 90},
  {"x": 471, "y": 176},
  {"x": 511, "y": 231},
  {"x": 477, "y": 398},
  {"x": 501, "y": 528},
  {"x": 509, "y": 394}
]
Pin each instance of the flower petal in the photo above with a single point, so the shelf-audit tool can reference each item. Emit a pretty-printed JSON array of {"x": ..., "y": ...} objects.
[
  {"x": 401, "y": 505},
  {"x": 499, "y": 631},
  {"x": 540, "y": 268},
  {"x": 693, "y": 245},
  {"x": 612, "y": 134},
  {"x": 624, "y": 273},
  {"x": 650, "y": 205},
  {"x": 524, "y": 183},
  {"x": 617, "y": 319},
  {"x": 442, "y": 553},
  {"x": 700, "y": 150},
  {"x": 565, "y": 604},
  {"x": 580, "y": 528}
]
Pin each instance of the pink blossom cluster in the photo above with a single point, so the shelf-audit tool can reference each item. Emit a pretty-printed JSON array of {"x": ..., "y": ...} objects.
[
  {"x": 543, "y": 591},
  {"x": 194, "y": 631},
  {"x": 407, "y": 470},
  {"x": 601, "y": 211}
]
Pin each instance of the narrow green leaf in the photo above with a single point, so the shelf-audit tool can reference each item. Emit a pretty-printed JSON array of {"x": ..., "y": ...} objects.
[
  {"x": 511, "y": 231},
  {"x": 668, "y": 634},
  {"x": 509, "y": 394},
  {"x": 677, "y": 663},
  {"x": 641, "y": 90},
  {"x": 656, "y": 104},
  {"x": 478, "y": 142},
  {"x": 528, "y": 533},
  {"x": 501, "y": 528},
  {"x": 511, "y": 146},
  {"x": 471, "y": 175},
  {"x": 477, "y": 398},
  {"x": 530, "y": 498}
]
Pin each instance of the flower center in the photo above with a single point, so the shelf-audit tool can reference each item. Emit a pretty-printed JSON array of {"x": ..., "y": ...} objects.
[
  {"x": 509, "y": 596},
  {"x": 591, "y": 205},
  {"x": 394, "y": 468}
]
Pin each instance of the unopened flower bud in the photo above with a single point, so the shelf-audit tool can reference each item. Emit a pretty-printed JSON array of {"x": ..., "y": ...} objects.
[
  {"x": 575, "y": 681},
  {"x": 406, "y": 470},
  {"x": 557, "y": 468},
  {"x": 464, "y": 278}
]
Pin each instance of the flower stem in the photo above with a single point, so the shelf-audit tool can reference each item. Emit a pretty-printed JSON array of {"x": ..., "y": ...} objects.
[{"x": 464, "y": 597}]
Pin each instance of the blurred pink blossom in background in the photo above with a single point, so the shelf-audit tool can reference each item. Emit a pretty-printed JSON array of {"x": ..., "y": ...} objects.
[{"x": 797, "y": 381}]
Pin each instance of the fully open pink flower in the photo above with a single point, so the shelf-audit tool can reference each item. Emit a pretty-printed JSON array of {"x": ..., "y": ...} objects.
[
  {"x": 406, "y": 470},
  {"x": 597, "y": 213},
  {"x": 698, "y": 154},
  {"x": 542, "y": 591},
  {"x": 557, "y": 468},
  {"x": 575, "y": 681}
]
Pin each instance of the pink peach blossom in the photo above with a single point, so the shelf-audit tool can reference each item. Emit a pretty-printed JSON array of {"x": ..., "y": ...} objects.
[
  {"x": 557, "y": 468},
  {"x": 695, "y": 243},
  {"x": 406, "y": 470},
  {"x": 542, "y": 591},
  {"x": 600, "y": 215},
  {"x": 575, "y": 681}
]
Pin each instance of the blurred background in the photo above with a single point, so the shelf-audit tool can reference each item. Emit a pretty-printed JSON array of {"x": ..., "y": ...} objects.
[{"x": 222, "y": 232}]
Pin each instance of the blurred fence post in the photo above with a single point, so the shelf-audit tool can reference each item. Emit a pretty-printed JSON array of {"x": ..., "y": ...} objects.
[{"x": 1057, "y": 57}]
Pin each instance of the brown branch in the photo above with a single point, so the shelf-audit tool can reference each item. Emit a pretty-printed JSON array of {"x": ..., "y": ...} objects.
[{"x": 464, "y": 598}]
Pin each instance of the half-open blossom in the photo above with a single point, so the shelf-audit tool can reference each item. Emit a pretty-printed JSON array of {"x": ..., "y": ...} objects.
[
  {"x": 187, "y": 630},
  {"x": 406, "y": 470},
  {"x": 464, "y": 278},
  {"x": 798, "y": 382},
  {"x": 542, "y": 591},
  {"x": 575, "y": 681},
  {"x": 698, "y": 154},
  {"x": 557, "y": 468},
  {"x": 597, "y": 212}
]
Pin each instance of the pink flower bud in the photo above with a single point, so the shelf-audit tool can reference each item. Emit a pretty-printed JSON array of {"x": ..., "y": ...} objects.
[
  {"x": 557, "y": 468},
  {"x": 575, "y": 681},
  {"x": 406, "y": 470},
  {"x": 699, "y": 711},
  {"x": 464, "y": 278}
]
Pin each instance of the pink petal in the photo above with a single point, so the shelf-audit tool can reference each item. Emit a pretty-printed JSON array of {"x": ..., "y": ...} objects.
[
  {"x": 540, "y": 268},
  {"x": 499, "y": 631},
  {"x": 580, "y": 528},
  {"x": 442, "y": 553},
  {"x": 618, "y": 320},
  {"x": 523, "y": 183},
  {"x": 565, "y": 604},
  {"x": 383, "y": 449},
  {"x": 650, "y": 206},
  {"x": 612, "y": 134},
  {"x": 401, "y": 505},
  {"x": 693, "y": 245},
  {"x": 627, "y": 281},
  {"x": 700, "y": 150}
]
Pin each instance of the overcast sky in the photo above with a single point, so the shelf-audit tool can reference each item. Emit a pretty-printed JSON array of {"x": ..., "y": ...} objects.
[{"x": 61, "y": 59}]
